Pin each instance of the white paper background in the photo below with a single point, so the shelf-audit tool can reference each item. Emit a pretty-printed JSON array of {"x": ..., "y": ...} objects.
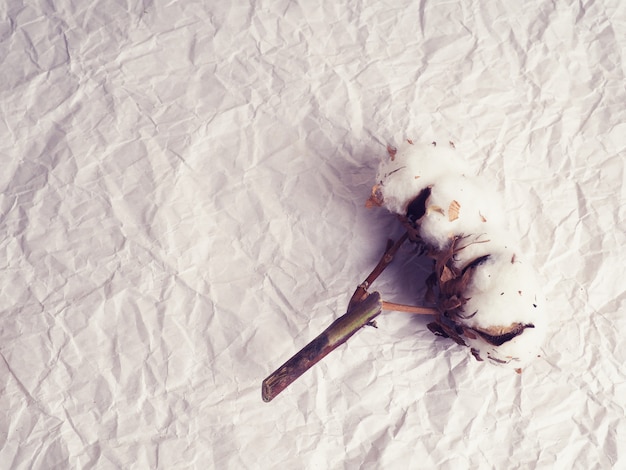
[{"x": 182, "y": 209}]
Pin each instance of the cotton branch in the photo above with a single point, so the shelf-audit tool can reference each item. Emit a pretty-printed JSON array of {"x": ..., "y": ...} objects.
[
  {"x": 362, "y": 309},
  {"x": 335, "y": 335}
]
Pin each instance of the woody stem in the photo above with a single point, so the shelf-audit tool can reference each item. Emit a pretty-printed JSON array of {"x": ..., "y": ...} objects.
[{"x": 390, "y": 251}]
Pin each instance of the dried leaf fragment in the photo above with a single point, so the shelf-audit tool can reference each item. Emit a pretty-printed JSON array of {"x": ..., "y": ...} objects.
[
  {"x": 453, "y": 210},
  {"x": 446, "y": 275},
  {"x": 376, "y": 198},
  {"x": 434, "y": 208}
]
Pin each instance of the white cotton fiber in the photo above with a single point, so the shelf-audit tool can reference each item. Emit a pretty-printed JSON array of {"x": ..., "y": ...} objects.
[
  {"x": 505, "y": 293},
  {"x": 489, "y": 292},
  {"x": 404, "y": 175}
]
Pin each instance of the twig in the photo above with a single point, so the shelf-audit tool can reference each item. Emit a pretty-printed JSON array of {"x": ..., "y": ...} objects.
[
  {"x": 409, "y": 308},
  {"x": 387, "y": 257},
  {"x": 362, "y": 309},
  {"x": 335, "y": 335}
]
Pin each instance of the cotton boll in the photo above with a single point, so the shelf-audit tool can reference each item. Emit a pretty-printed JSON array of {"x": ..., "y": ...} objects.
[
  {"x": 411, "y": 169},
  {"x": 514, "y": 310},
  {"x": 416, "y": 167},
  {"x": 504, "y": 297},
  {"x": 489, "y": 299}
]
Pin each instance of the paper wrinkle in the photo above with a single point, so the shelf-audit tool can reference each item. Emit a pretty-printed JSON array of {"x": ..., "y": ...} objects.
[{"x": 182, "y": 209}]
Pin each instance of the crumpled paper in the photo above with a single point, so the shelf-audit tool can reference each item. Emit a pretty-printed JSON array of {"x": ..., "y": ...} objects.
[{"x": 182, "y": 209}]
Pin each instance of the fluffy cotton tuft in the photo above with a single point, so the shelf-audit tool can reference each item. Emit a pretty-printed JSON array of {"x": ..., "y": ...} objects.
[{"x": 490, "y": 298}]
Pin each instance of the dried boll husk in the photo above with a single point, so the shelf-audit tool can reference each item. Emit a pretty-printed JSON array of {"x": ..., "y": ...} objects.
[
  {"x": 488, "y": 296},
  {"x": 495, "y": 304}
]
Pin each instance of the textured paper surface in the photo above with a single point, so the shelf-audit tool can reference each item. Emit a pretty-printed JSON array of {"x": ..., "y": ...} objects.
[{"x": 182, "y": 209}]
